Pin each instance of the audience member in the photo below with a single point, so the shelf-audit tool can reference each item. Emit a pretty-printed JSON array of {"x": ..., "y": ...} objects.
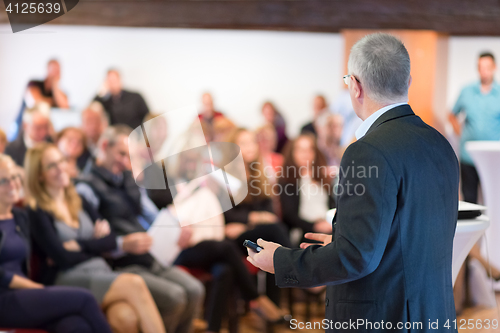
[
  {"x": 222, "y": 127},
  {"x": 3, "y": 141},
  {"x": 27, "y": 304},
  {"x": 94, "y": 122},
  {"x": 110, "y": 187},
  {"x": 206, "y": 248},
  {"x": 267, "y": 140},
  {"x": 46, "y": 91},
  {"x": 319, "y": 107},
  {"x": 273, "y": 117},
  {"x": 208, "y": 112},
  {"x": 71, "y": 240},
  {"x": 122, "y": 106},
  {"x": 343, "y": 106},
  {"x": 71, "y": 143},
  {"x": 329, "y": 135},
  {"x": 36, "y": 129},
  {"x": 254, "y": 217},
  {"x": 479, "y": 103},
  {"x": 307, "y": 188},
  {"x": 49, "y": 90}
]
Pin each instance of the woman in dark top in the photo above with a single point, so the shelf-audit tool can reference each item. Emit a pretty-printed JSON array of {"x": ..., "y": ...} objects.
[
  {"x": 70, "y": 242},
  {"x": 273, "y": 117},
  {"x": 254, "y": 217},
  {"x": 23, "y": 302},
  {"x": 307, "y": 186}
]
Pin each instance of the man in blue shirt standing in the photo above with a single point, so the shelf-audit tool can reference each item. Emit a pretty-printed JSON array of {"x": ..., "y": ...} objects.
[{"x": 480, "y": 102}]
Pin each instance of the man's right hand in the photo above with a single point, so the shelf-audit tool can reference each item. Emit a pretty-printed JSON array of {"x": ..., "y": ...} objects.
[
  {"x": 323, "y": 238},
  {"x": 137, "y": 243}
]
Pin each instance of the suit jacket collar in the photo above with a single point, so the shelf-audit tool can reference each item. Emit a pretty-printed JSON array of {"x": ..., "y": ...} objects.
[{"x": 397, "y": 112}]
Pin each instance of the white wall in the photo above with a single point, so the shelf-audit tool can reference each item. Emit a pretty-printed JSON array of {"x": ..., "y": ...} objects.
[
  {"x": 462, "y": 62},
  {"x": 172, "y": 67}
]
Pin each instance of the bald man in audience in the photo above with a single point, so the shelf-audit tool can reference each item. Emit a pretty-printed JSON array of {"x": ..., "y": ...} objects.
[{"x": 36, "y": 129}]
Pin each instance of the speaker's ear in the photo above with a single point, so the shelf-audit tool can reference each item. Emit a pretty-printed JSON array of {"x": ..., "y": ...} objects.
[{"x": 24, "y": 14}]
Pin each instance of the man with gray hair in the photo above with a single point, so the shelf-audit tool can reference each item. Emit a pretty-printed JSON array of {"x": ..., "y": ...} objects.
[
  {"x": 36, "y": 129},
  {"x": 388, "y": 263}
]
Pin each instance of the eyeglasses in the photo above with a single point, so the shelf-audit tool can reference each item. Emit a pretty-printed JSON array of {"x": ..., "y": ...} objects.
[
  {"x": 7, "y": 181},
  {"x": 346, "y": 78}
]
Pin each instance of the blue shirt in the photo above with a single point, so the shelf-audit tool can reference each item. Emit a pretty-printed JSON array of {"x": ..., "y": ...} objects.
[{"x": 482, "y": 113}]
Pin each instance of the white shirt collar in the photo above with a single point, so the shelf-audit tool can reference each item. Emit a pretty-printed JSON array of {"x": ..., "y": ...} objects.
[{"x": 365, "y": 125}]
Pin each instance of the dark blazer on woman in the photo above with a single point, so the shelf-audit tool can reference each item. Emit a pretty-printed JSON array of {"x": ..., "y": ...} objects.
[
  {"x": 50, "y": 251},
  {"x": 290, "y": 202},
  {"x": 22, "y": 227}
]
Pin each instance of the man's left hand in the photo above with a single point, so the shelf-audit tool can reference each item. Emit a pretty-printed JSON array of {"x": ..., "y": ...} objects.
[{"x": 263, "y": 259}]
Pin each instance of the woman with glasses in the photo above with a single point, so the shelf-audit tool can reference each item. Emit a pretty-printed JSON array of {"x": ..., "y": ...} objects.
[
  {"x": 23, "y": 302},
  {"x": 71, "y": 240}
]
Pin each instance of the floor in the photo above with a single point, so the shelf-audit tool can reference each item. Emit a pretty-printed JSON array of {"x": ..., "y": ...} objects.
[{"x": 476, "y": 317}]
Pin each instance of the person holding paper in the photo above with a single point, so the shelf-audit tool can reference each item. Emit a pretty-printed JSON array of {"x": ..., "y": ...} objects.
[
  {"x": 390, "y": 257},
  {"x": 70, "y": 241}
]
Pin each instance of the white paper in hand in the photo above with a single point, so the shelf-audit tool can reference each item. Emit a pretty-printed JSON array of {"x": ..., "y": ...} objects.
[{"x": 165, "y": 232}]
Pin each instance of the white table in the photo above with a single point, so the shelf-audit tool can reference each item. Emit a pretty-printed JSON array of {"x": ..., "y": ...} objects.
[
  {"x": 467, "y": 234},
  {"x": 486, "y": 156}
]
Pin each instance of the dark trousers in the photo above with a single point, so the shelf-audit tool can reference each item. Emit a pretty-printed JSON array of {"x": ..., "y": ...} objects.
[
  {"x": 224, "y": 261},
  {"x": 470, "y": 182},
  {"x": 54, "y": 309},
  {"x": 275, "y": 232}
]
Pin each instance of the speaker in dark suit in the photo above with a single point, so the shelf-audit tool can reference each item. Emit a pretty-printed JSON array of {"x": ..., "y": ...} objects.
[{"x": 388, "y": 265}]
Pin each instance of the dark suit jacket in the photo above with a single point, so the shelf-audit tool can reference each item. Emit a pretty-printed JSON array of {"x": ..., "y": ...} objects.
[
  {"x": 17, "y": 150},
  {"x": 391, "y": 254}
]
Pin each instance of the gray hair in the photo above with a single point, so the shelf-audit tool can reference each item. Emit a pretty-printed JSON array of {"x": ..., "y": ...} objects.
[
  {"x": 382, "y": 64},
  {"x": 41, "y": 108},
  {"x": 98, "y": 108},
  {"x": 113, "y": 133}
]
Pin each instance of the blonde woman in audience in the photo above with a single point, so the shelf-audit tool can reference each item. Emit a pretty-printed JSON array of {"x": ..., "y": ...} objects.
[
  {"x": 71, "y": 241},
  {"x": 25, "y": 303}
]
